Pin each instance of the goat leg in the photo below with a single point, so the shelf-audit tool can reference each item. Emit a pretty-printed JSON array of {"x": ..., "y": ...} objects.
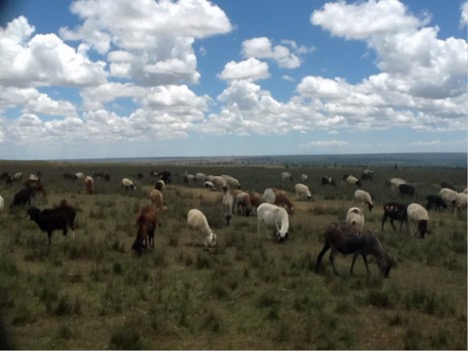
[{"x": 320, "y": 256}]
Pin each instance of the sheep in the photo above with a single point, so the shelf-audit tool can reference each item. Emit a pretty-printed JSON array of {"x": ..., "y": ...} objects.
[
  {"x": 416, "y": 214},
  {"x": 345, "y": 238},
  {"x": 394, "y": 211},
  {"x": 156, "y": 198},
  {"x": 228, "y": 202},
  {"x": 282, "y": 199},
  {"x": 304, "y": 177},
  {"x": 273, "y": 215},
  {"x": 219, "y": 182},
  {"x": 209, "y": 185},
  {"x": 362, "y": 197},
  {"x": 188, "y": 177},
  {"x": 17, "y": 176},
  {"x": 328, "y": 181},
  {"x": 52, "y": 219},
  {"x": 243, "y": 204},
  {"x": 448, "y": 195},
  {"x": 146, "y": 222},
  {"x": 302, "y": 191},
  {"x": 128, "y": 184},
  {"x": 287, "y": 176},
  {"x": 435, "y": 201},
  {"x": 269, "y": 196},
  {"x": 200, "y": 177},
  {"x": 197, "y": 222},
  {"x": 461, "y": 202},
  {"x": 22, "y": 197},
  {"x": 406, "y": 189},
  {"x": 79, "y": 175},
  {"x": 351, "y": 180},
  {"x": 355, "y": 217},
  {"x": 231, "y": 181},
  {"x": 89, "y": 185},
  {"x": 395, "y": 182}
]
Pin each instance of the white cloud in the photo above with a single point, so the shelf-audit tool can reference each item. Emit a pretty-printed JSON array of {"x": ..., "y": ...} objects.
[
  {"x": 464, "y": 14},
  {"x": 262, "y": 48},
  {"x": 325, "y": 144},
  {"x": 43, "y": 59},
  {"x": 251, "y": 68}
]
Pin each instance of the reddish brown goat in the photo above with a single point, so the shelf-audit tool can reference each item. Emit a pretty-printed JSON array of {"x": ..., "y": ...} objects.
[
  {"x": 146, "y": 225},
  {"x": 282, "y": 199}
]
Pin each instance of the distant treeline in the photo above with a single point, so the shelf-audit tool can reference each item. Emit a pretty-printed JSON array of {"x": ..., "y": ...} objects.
[{"x": 451, "y": 160}]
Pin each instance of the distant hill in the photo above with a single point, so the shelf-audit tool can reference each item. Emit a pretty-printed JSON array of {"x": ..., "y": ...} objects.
[{"x": 451, "y": 160}]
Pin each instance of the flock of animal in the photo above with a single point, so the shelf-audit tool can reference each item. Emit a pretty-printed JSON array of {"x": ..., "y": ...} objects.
[{"x": 272, "y": 208}]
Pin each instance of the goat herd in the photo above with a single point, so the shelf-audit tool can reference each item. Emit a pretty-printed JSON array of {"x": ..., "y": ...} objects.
[{"x": 272, "y": 208}]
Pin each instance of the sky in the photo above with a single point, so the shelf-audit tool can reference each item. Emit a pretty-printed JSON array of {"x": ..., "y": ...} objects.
[{"x": 145, "y": 78}]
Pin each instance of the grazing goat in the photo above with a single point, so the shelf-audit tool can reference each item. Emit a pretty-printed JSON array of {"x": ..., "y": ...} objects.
[
  {"x": 287, "y": 176},
  {"x": 243, "y": 204},
  {"x": 209, "y": 185},
  {"x": 396, "y": 212},
  {"x": 273, "y": 215},
  {"x": 146, "y": 225},
  {"x": 22, "y": 197},
  {"x": 269, "y": 196},
  {"x": 362, "y": 197},
  {"x": 461, "y": 202},
  {"x": 328, "y": 181},
  {"x": 69, "y": 176},
  {"x": 417, "y": 215},
  {"x": 355, "y": 217},
  {"x": 351, "y": 180},
  {"x": 156, "y": 198},
  {"x": 406, "y": 189},
  {"x": 435, "y": 201},
  {"x": 302, "y": 191},
  {"x": 48, "y": 220},
  {"x": 197, "y": 222},
  {"x": 255, "y": 200},
  {"x": 345, "y": 238},
  {"x": 232, "y": 182},
  {"x": 36, "y": 185},
  {"x": 160, "y": 184},
  {"x": 89, "y": 185},
  {"x": 395, "y": 182},
  {"x": 228, "y": 203},
  {"x": 449, "y": 196},
  {"x": 128, "y": 184},
  {"x": 282, "y": 199}
]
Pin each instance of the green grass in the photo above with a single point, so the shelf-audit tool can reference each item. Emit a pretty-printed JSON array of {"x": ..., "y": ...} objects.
[{"x": 93, "y": 292}]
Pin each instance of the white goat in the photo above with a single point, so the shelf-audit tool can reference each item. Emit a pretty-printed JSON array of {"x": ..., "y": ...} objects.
[
  {"x": 273, "y": 215},
  {"x": 228, "y": 202},
  {"x": 269, "y": 196},
  {"x": 197, "y": 222},
  {"x": 417, "y": 215},
  {"x": 286, "y": 176},
  {"x": 361, "y": 198},
  {"x": 461, "y": 201},
  {"x": 355, "y": 217},
  {"x": 302, "y": 191},
  {"x": 231, "y": 181},
  {"x": 352, "y": 180}
]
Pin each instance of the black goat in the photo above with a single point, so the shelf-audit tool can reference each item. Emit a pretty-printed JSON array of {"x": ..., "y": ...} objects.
[
  {"x": 396, "y": 212},
  {"x": 406, "y": 189},
  {"x": 328, "y": 181},
  {"x": 435, "y": 201},
  {"x": 347, "y": 239},
  {"x": 52, "y": 219},
  {"x": 22, "y": 197}
]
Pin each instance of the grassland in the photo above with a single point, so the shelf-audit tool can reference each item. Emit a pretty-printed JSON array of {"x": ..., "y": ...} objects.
[{"x": 93, "y": 292}]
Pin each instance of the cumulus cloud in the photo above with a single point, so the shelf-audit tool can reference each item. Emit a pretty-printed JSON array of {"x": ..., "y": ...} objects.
[
  {"x": 418, "y": 63},
  {"x": 43, "y": 59},
  {"x": 148, "y": 41},
  {"x": 464, "y": 14},
  {"x": 262, "y": 48},
  {"x": 251, "y": 68}
]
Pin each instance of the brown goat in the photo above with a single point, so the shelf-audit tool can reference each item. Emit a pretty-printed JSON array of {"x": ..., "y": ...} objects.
[
  {"x": 89, "y": 185},
  {"x": 243, "y": 204},
  {"x": 156, "y": 198},
  {"x": 255, "y": 200},
  {"x": 282, "y": 199},
  {"x": 146, "y": 226}
]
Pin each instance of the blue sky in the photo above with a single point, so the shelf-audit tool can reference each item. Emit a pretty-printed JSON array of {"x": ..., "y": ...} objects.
[{"x": 106, "y": 78}]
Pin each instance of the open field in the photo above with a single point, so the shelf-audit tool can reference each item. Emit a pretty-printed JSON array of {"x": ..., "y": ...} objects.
[{"x": 93, "y": 292}]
